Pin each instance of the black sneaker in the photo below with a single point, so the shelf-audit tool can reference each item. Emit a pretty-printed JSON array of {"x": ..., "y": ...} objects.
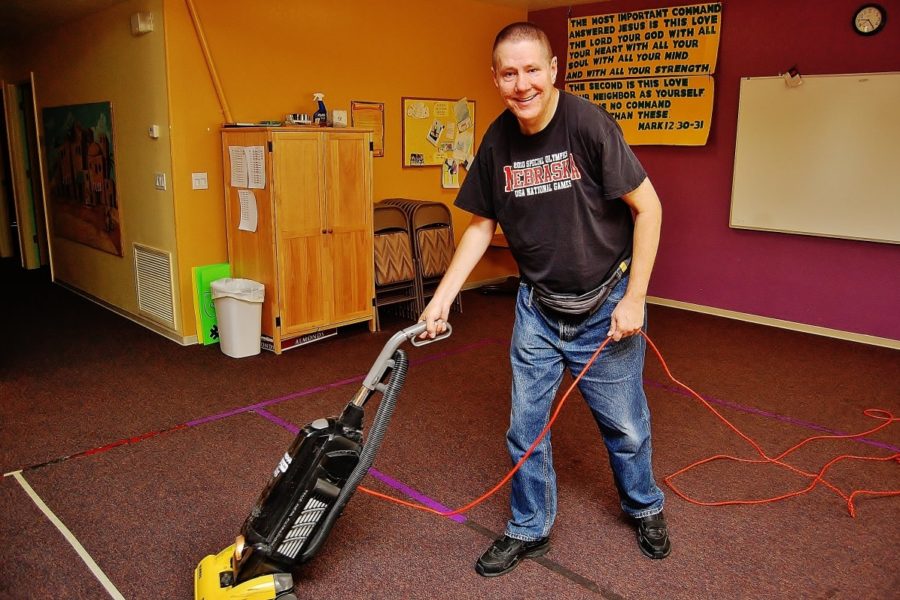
[
  {"x": 506, "y": 552},
  {"x": 653, "y": 536}
]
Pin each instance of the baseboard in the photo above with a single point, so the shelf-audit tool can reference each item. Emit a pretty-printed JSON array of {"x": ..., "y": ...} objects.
[
  {"x": 781, "y": 324},
  {"x": 143, "y": 322}
]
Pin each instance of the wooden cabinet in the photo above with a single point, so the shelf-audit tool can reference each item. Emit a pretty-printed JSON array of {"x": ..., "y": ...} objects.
[{"x": 313, "y": 247}]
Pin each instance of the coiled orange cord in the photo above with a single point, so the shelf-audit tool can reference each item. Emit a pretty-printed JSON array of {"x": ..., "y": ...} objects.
[{"x": 816, "y": 478}]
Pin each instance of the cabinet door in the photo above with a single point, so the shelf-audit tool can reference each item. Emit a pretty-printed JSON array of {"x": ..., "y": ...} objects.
[
  {"x": 300, "y": 225},
  {"x": 348, "y": 210}
]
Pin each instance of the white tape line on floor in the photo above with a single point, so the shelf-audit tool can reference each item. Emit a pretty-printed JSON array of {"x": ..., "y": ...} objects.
[{"x": 98, "y": 573}]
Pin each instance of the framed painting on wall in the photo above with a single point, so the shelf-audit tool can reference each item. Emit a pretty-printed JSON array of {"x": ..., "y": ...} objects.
[
  {"x": 81, "y": 175},
  {"x": 370, "y": 115}
]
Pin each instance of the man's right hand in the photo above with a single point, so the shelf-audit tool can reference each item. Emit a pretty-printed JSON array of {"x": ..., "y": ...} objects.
[{"x": 435, "y": 318}]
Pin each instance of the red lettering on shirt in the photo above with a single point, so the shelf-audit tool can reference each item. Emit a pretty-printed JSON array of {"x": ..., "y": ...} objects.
[{"x": 557, "y": 170}]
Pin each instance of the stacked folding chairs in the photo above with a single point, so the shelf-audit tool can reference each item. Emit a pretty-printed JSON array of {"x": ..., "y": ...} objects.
[{"x": 413, "y": 246}]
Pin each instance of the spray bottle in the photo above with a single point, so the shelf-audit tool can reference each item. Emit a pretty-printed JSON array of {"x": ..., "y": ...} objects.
[{"x": 320, "y": 117}]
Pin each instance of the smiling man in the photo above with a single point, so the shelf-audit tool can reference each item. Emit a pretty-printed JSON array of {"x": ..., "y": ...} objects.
[{"x": 582, "y": 221}]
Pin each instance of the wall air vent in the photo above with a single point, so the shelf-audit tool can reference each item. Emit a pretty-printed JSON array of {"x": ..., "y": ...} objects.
[{"x": 153, "y": 277}]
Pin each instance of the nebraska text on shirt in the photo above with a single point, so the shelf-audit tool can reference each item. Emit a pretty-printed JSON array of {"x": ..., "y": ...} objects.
[{"x": 558, "y": 170}]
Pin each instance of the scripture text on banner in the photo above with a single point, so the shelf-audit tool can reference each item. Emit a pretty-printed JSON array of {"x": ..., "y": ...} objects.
[
  {"x": 650, "y": 69},
  {"x": 680, "y": 40},
  {"x": 663, "y": 110}
]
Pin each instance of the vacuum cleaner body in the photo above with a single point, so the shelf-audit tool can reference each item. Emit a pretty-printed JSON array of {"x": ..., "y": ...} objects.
[
  {"x": 308, "y": 490},
  {"x": 304, "y": 489}
]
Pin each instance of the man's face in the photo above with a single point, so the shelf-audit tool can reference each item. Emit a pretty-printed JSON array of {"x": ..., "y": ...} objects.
[{"x": 524, "y": 74}]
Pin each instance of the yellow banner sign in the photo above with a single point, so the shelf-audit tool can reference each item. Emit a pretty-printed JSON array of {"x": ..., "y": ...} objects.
[
  {"x": 659, "y": 110},
  {"x": 679, "y": 40}
]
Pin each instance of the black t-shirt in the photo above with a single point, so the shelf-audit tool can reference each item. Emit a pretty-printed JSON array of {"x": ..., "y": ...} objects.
[{"x": 557, "y": 194}]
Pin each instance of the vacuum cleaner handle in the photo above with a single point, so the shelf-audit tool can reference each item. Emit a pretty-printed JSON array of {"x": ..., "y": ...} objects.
[
  {"x": 385, "y": 359},
  {"x": 414, "y": 331}
]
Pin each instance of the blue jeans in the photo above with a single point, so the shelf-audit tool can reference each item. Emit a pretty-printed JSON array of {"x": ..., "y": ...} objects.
[{"x": 541, "y": 349}]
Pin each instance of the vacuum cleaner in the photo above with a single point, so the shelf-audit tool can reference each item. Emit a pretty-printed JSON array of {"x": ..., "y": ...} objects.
[{"x": 308, "y": 489}]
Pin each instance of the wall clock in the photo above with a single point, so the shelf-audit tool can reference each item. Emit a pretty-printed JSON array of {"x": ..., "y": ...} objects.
[{"x": 869, "y": 19}]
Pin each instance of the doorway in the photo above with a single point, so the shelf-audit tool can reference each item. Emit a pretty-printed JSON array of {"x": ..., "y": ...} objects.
[{"x": 22, "y": 216}]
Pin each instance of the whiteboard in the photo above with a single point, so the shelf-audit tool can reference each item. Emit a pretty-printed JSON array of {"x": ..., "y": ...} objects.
[{"x": 822, "y": 158}]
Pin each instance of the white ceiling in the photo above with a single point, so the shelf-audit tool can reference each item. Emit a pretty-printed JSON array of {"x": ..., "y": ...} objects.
[{"x": 21, "y": 18}]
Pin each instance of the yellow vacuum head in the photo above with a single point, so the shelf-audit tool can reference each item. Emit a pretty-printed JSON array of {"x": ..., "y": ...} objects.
[{"x": 214, "y": 577}]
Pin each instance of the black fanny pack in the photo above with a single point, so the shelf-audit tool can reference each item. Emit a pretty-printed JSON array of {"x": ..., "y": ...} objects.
[{"x": 585, "y": 304}]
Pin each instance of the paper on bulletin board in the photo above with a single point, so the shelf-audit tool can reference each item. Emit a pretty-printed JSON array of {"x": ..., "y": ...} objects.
[
  {"x": 450, "y": 174},
  {"x": 432, "y": 129},
  {"x": 204, "y": 308}
]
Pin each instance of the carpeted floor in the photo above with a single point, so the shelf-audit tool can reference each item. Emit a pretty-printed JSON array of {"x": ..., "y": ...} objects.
[{"x": 151, "y": 455}]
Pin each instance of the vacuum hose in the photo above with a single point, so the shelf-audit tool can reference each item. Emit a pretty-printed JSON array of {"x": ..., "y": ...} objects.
[{"x": 370, "y": 450}]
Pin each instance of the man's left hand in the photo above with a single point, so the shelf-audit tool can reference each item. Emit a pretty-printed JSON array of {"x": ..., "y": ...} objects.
[{"x": 627, "y": 318}]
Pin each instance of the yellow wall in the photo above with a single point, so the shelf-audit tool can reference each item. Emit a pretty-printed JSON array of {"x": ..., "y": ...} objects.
[
  {"x": 271, "y": 56},
  {"x": 97, "y": 59}
]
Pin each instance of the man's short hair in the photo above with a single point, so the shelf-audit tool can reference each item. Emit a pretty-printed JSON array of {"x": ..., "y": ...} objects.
[{"x": 523, "y": 30}]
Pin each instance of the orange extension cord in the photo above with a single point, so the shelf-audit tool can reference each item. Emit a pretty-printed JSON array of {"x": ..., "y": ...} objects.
[{"x": 816, "y": 478}]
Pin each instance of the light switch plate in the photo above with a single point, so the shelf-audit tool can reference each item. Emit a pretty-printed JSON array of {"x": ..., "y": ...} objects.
[
  {"x": 199, "y": 181},
  {"x": 160, "y": 181}
]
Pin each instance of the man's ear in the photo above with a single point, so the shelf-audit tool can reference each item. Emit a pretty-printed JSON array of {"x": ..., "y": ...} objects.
[
  {"x": 553, "y": 69},
  {"x": 494, "y": 78}
]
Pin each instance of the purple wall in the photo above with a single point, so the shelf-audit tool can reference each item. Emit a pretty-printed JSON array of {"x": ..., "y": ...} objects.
[{"x": 840, "y": 284}]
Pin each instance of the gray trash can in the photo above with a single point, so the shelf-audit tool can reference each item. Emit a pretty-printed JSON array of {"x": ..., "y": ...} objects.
[{"x": 239, "y": 314}]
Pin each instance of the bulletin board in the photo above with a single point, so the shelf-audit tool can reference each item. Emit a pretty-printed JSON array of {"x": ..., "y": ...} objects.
[
  {"x": 820, "y": 158},
  {"x": 436, "y": 130}
]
